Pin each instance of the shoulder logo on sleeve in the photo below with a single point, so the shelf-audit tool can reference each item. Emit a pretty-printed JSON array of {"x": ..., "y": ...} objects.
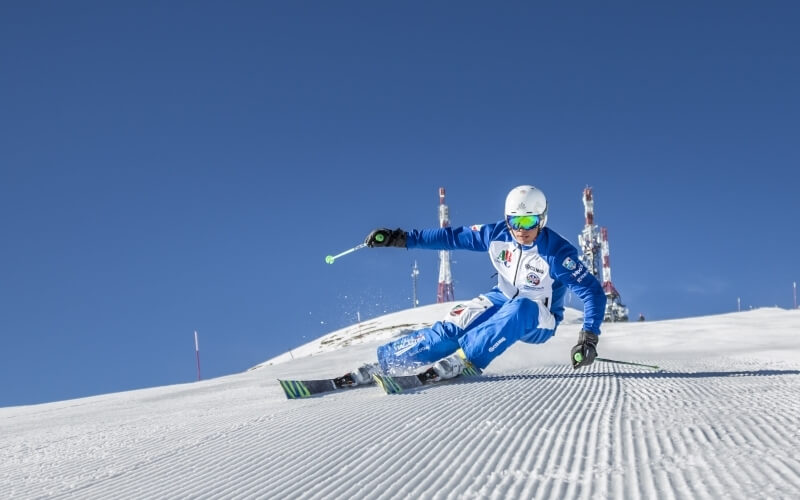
[
  {"x": 569, "y": 264},
  {"x": 457, "y": 310},
  {"x": 476, "y": 227}
]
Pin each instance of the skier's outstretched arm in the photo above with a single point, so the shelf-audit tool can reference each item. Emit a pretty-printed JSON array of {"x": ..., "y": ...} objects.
[{"x": 447, "y": 238}]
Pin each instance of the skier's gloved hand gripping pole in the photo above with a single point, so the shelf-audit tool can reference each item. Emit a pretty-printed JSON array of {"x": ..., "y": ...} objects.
[
  {"x": 382, "y": 237},
  {"x": 585, "y": 351}
]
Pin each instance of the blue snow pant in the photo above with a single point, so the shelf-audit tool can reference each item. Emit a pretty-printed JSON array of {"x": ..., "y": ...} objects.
[{"x": 483, "y": 327}]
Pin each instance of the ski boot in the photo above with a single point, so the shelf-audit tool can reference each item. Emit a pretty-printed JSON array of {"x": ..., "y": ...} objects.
[
  {"x": 452, "y": 366},
  {"x": 361, "y": 376}
]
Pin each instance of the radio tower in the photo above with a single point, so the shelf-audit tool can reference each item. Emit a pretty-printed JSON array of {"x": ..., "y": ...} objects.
[
  {"x": 593, "y": 241},
  {"x": 445, "y": 292}
]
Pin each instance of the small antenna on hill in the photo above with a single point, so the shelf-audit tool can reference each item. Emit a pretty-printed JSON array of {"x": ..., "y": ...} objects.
[
  {"x": 414, "y": 276},
  {"x": 197, "y": 354}
]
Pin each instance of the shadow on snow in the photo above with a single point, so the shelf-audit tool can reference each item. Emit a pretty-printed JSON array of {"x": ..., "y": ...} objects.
[{"x": 666, "y": 374}]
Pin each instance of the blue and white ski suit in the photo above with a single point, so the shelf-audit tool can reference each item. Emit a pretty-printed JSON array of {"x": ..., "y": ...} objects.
[{"x": 527, "y": 304}]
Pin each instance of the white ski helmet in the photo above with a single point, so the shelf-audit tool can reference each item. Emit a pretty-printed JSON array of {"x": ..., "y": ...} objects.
[{"x": 527, "y": 200}]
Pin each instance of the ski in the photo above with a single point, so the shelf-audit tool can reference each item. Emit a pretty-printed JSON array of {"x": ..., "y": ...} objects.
[
  {"x": 368, "y": 375},
  {"x": 298, "y": 389},
  {"x": 404, "y": 383}
]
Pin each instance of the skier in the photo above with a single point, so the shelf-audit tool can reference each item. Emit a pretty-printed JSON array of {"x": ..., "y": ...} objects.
[{"x": 534, "y": 264}]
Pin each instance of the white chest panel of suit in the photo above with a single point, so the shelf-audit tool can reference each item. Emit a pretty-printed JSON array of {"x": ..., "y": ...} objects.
[{"x": 521, "y": 272}]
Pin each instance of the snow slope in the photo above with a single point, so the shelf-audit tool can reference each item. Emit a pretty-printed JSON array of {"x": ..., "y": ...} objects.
[{"x": 722, "y": 421}]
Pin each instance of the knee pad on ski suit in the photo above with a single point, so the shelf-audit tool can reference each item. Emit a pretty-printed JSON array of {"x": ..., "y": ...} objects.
[{"x": 519, "y": 319}]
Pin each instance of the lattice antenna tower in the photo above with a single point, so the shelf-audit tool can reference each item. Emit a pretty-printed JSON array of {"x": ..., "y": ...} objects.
[{"x": 593, "y": 242}]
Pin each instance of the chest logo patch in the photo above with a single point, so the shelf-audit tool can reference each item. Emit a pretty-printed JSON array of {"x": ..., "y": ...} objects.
[{"x": 505, "y": 258}]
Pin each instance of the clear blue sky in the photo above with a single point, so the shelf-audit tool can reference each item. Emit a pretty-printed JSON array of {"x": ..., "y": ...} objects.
[{"x": 168, "y": 167}]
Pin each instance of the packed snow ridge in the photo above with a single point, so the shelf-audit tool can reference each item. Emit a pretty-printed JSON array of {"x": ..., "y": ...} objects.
[{"x": 722, "y": 420}]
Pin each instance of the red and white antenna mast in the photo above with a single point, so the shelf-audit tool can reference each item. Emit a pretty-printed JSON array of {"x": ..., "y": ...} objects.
[
  {"x": 589, "y": 239},
  {"x": 607, "y": 285},
  {"x": 593, "y": 241},
  {"x": 445, "y": 291}
]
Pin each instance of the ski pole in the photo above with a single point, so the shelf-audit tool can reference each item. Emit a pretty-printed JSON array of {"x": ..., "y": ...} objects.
[
  {"x": 330, "y": 258},
  {"x": 579, "y": 357},
  {"x": 606, "y": 360}
]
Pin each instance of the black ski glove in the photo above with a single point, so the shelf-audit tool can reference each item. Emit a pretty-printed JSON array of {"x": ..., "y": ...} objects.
[
  {"x": 384, "y": 237},
  {"x": 585, "y": 350}
]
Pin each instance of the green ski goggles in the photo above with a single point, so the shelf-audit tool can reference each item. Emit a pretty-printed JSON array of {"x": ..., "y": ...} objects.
[{"x": 524, "y": 222}]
